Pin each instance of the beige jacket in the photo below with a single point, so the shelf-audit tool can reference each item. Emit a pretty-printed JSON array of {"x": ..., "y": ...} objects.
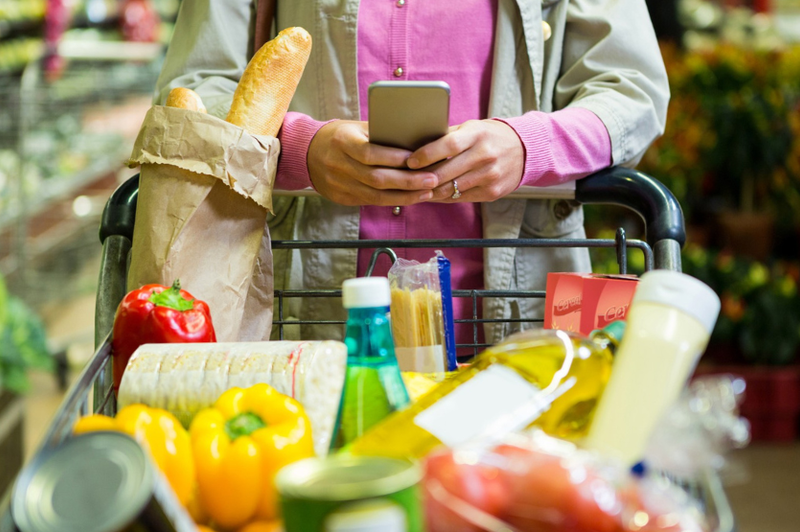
[{"x": 602, "y": 56}]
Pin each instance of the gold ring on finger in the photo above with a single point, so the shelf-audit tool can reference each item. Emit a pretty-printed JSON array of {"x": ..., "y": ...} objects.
[{"x": 456, "y": 193}]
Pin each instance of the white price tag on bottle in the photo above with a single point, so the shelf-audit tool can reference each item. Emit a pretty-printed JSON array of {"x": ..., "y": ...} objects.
[{"x": 467, "y": 411}]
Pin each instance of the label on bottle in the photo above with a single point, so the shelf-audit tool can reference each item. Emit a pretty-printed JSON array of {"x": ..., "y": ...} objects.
[{"x": 467, "y": 411}]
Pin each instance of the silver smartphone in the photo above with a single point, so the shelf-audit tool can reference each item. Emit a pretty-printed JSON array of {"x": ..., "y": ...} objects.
[{"x": 408, "y": 114}]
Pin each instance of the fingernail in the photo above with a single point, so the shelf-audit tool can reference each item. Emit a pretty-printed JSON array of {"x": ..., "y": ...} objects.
[
  {"x": 412, "y": 163},
  {"x": 429, "y": 182},
  {"x": 425, "y": 196}
]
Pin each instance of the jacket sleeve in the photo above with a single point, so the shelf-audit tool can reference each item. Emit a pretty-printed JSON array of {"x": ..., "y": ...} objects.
[
  {"x": 611, "y": 65},
  {"x": 209, "y": 50}
]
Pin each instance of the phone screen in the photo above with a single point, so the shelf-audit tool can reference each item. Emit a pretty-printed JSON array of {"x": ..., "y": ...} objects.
[{"x": 408, "y": 114}]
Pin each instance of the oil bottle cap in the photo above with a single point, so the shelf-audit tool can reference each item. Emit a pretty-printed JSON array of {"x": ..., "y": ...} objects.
[
  {"x": 366, "y": 292},
  {"x": 615, "y": 330},
  {"x": 682, "y": 292}
]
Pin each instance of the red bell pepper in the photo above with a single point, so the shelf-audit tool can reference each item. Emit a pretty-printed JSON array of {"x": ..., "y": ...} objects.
[{"x": 156, "y": 314}]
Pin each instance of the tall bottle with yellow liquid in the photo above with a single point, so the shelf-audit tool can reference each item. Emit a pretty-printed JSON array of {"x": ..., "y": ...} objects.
[{"x": 549, "y": 379}]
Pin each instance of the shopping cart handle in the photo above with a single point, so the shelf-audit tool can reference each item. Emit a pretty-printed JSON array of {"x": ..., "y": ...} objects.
[
  {"x": 641, "y": 193},
  {"x": 119, "y": 213}
]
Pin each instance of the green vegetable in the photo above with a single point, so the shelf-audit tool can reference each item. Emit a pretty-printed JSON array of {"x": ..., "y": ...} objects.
[{"x": 23, "y": 344}]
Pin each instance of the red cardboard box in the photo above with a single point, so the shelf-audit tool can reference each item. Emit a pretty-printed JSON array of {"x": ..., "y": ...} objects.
[
  {"x": 563, "y": 301},
  {"x": 606, "y": 298},
  {"x": 583, "y": 302}
]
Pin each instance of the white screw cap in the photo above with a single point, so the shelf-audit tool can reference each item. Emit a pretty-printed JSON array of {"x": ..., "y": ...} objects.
[
  {"x": 682, "y": 292},
  {"x": 366, "y": 292}
]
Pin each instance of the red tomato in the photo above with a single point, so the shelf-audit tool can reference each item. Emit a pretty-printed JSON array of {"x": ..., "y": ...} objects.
[
  {"x": 478, "y": 485},
  {"x": 549, "y": 497}
]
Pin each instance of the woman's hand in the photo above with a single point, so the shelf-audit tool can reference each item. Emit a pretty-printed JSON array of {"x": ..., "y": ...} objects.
[
  {"x": 347, "y": 169},
  {"x": 485, "y": 157}
]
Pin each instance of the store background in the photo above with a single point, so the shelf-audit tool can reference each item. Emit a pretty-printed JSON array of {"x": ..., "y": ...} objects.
[{"x": 76, "y": 77}]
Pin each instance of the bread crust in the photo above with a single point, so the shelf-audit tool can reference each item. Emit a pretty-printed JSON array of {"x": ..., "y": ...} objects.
[
  {"x": 185, "y": 99},
  {"x": 269, "y": 82}
]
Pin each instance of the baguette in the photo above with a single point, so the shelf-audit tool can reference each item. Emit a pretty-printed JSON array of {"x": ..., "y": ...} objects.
[
  {"x": 185, "y": 99},
  {"x": 269, "y": 81}
]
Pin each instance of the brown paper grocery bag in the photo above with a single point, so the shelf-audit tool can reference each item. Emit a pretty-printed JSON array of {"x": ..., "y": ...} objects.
[{"x": 204, "y": 192}]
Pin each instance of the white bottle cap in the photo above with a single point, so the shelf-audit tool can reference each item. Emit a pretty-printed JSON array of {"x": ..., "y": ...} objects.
[
  {"x": 682, "y": 292},
  {"x": 366, "y": 292}
]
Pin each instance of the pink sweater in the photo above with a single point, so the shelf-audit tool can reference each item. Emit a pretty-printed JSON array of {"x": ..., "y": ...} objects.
[{"x": 560, "y": 146}]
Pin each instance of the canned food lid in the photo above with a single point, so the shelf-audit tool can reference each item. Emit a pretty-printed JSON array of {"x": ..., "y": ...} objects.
[
  {"x": 346, "y": 478},
  {"x": 95, "y": 482},
  {"x": 367, "y": 516}
]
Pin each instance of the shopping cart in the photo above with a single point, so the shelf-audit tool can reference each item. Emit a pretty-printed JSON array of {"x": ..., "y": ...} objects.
[{"x": 638, "y": 192}]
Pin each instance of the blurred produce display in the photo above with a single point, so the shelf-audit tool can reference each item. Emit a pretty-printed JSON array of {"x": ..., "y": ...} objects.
[
  {"x": 28, "y": 28},
  {"x": 733, "y": 131},
  {"x": 760, "y": 316},
  {"x": 86, "y": 120},
  {"x": 20, "y": 11},
  {"x": 22, "y": 343},
  {"x": 139, "y": 21},
  {"x": 19, "y": 52},
  {"x": 70, "y": 108}
]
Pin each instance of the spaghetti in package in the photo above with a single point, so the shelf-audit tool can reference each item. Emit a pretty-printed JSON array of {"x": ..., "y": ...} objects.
[{"x": 422, "y": 315}]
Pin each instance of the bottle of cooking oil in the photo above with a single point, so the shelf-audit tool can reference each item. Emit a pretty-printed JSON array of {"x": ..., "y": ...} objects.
[
  {"x": 373, "y": 386},
  {"x": 549, "y": 379}
]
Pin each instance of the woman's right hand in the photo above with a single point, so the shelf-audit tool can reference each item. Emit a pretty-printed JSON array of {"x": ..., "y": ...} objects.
[{"x": 346, "y": 169}]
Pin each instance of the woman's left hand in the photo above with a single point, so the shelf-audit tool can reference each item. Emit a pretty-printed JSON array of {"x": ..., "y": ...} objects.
[{"x": 485, "y": 157}]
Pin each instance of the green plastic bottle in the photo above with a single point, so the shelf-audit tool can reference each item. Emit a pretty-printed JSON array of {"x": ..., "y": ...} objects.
[{"x": 373, "y": 386}]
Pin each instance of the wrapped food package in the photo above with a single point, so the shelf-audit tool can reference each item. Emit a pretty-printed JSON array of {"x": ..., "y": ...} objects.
[
  {"x": 536, "y": 483},
  {"x": 422, "y": 317},
  {"x": 184, "y": 378}
]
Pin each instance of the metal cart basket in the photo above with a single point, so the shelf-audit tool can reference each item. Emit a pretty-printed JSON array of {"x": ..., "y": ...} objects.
[{"x": 644, "y": 195}]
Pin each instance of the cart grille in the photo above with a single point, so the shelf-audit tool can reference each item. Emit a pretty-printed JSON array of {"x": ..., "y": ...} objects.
[{"x": 620, "y": 243}]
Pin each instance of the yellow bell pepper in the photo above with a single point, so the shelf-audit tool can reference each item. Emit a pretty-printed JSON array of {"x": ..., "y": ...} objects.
[
  {"x": 161, "y": 434},
  {"x": 262, "y": 526},
  {"x": 239, "y": 445}
]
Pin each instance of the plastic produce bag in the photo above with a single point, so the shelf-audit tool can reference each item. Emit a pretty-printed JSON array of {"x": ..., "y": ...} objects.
[
  {"x": 533, "y": 482},
  {"x": 700, "y": 428},
  {"x": 422, "y": 315}
]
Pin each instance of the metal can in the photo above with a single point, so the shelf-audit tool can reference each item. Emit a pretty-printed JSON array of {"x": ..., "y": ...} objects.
[
  {"x": 96, "y": 482},
  {"x": 350, "y": 494}
]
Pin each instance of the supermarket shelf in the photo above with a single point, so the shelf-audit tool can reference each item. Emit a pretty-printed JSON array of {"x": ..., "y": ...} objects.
[
  {"x": 57, "y": 244},
  {"x": 12, "y": 28},
  {"x": 61, "y": 188},
  {"x": 110, "y": 50},
  {"x": 89, "y": 80},
  {"x": 19, "y": 27}
]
